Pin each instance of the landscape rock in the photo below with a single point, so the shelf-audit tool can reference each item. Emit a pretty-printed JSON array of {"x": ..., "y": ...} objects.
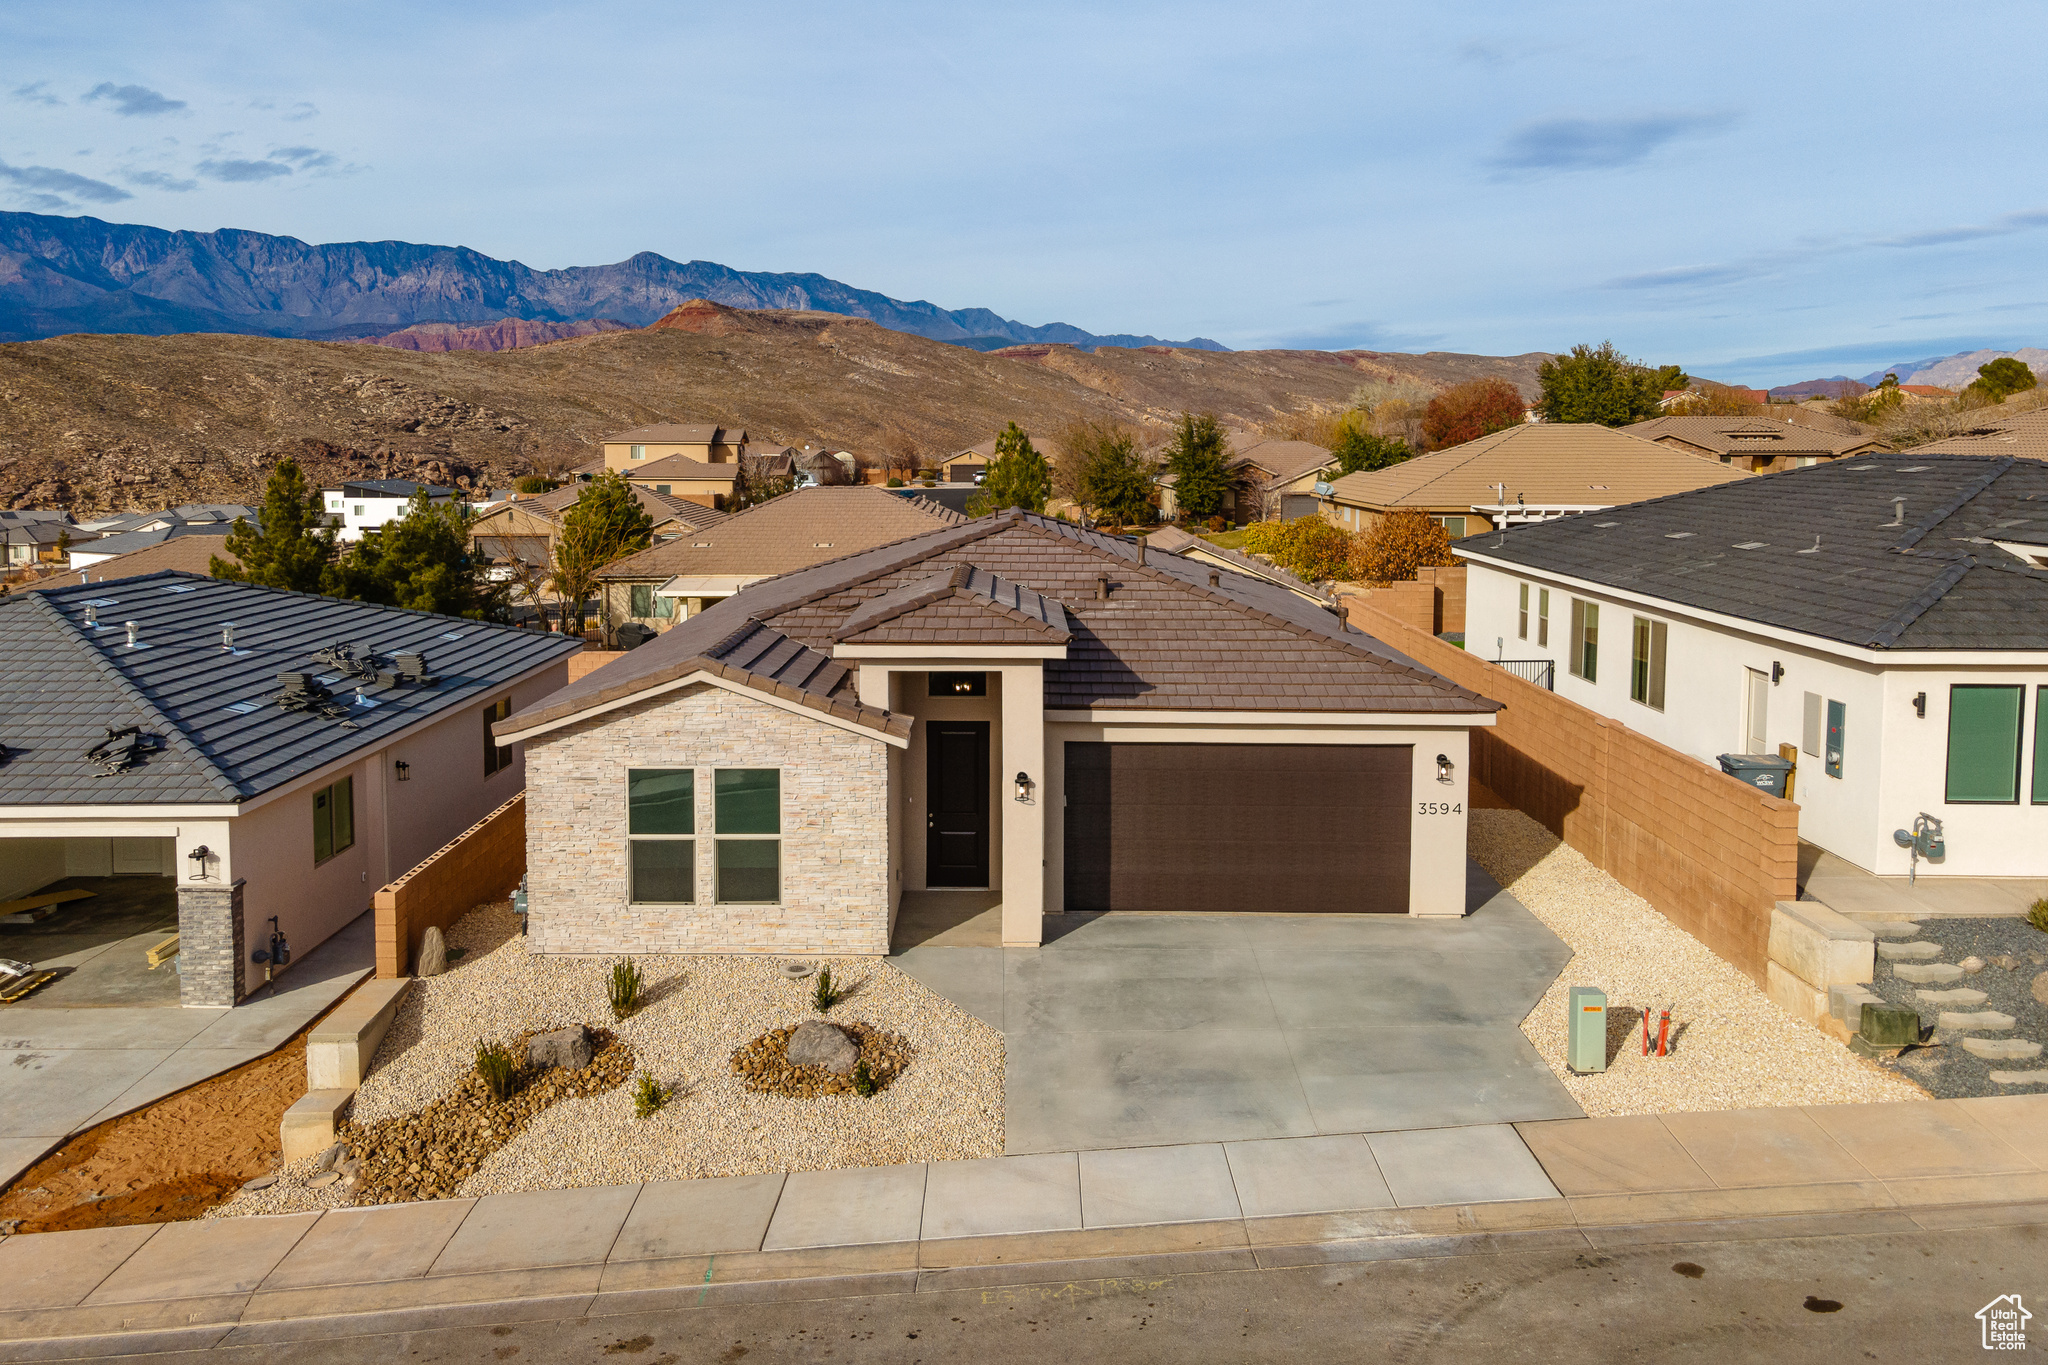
[
  {"x": 1891, "y": 928},
  {"x": 2001, "y": 1049},
  {"x": 2019, "y": 1078},
  {"x": 1972, "y": 965},
  {"x": 570, "y": 1049},
  {"x": 817, "y": 1043},
  {"x": 1984, "y": 1019},
  {"x": 329, "y": 1157},
  {"x": 2005, "y": 962},
  {"x": 1962, "y": 995},
  {"x": 2040, "y": 988},
  {"x": 433, "y": 953},
  {"x": 1927, "y": 973},
  {"x": 1901, "y": 952}
]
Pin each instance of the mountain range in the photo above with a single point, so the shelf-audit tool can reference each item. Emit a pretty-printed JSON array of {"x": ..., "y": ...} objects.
[
  {"x": 66, "y": 275},
  {"x": 1954, "y": 371}
]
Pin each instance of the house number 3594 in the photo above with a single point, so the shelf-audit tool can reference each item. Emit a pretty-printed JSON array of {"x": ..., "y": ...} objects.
[{"x": 1439, "y": 808}]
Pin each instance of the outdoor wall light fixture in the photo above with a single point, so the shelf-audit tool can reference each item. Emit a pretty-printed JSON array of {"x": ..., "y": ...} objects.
[
  {"x": 1443, "y": 768},
  {"x": 199, "y": 855},
  {"x": 404, "y": 770},
  {"x": 1920, "y": 705},
  {"x": 963, "y": 686},
  {"x": 1777, "y": 672},
  {"x": 1024, "y": 785}
]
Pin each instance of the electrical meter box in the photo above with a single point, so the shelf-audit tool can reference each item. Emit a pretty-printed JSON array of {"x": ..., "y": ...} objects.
[{"x": 1586, "y": 1030}]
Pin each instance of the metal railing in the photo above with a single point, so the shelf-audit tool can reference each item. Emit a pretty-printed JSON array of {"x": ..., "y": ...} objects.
[{"x": 1542, "y": 672}]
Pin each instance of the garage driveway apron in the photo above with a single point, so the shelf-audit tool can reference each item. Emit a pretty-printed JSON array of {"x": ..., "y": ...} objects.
[{"x": 1135, "y": 1030}]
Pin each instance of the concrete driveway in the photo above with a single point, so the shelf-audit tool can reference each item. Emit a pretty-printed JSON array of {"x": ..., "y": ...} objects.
[{"x": 1132, "y": 1030}]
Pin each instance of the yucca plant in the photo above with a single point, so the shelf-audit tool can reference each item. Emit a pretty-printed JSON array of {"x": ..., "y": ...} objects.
[
  {"x": 648, "y": 1096},
  {"x": 624, "y": 988},
  {"x": 494, "y": 1063},
  {"x": 825, "y": 995},
  {"x": 863, "y": 1079}
]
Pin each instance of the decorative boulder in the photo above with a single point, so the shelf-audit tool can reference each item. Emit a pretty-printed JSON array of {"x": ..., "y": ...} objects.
[
  {"x": 570, "y": 1049},
  {"x": 2040, "y": 988},
  {"x": 433, "y": 954},
  {"x": 817, "y": 1043}
]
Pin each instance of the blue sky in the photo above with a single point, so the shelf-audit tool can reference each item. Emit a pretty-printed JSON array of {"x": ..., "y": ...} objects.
[{"x": 1760, "y": 192}]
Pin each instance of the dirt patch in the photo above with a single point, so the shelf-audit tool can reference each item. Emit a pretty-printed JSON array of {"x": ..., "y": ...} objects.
[
  {"x": 764, "y": 1066},
  {"x": 168, "y": 1162}
]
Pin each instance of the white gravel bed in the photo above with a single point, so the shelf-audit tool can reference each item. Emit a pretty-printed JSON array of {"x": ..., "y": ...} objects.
[
  {"x": 1737, "y": 1050},
  {"x": 948, "y": 1105}
]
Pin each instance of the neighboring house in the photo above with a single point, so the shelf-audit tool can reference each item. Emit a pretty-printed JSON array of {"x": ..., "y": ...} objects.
[
  {"x": 1269, "y": 479},
  {"x": 367, "y": 504},
  {"x": 971, "y": 465},
  {"x": 1757, "y": 444},
  {"x": 222, "y": 514},
  {"x": 1523, "y": 474},
  {"x": 1013, "y": 704},
  {"x": 36, "y": 536},
  {"x": 212, "y": 534},
  {"x": 1173, "y": 540},
  {"x": 145, "y": 734},
  {"x": 1882, "y": 616},
  {"x": 2023, "y": 436},
  {"x": 525, "y": 528},
  {"x": 186, "y": 554},
  {"x": 675, "y": 579},
  {"x": 696, "y": 442}
]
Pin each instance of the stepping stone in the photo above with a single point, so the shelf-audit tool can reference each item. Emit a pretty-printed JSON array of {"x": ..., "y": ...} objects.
[
  {"x": 1891, "y": 928},
  {"x": 323, "y": 1180},
  {"x": 1985, "y": 1019},
  {"x": 2001, "y": 1049},
  {"x": 1927, "y": 973},
  {"x": 1901, "y": 952},
  {"x": 2019, "y": 1078},
  {"x": 261, "y": 1182},
  {"x": 1962, "y": 995}
]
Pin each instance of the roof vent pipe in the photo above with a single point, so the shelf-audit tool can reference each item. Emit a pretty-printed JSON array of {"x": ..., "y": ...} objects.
[
  {"x": 1215, "y": 579},
  {"x": 227, "y": 638},
  {"x": 134, "y": 633},
  {"x": 1898, "y": 512},
  {"x": 92, "y": 616},
  {"x": 1102, "y": 589},
  {"x": 1141, "y": 551}
]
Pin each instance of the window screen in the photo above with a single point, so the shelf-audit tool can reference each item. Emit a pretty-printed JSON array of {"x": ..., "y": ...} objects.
[
  {"x": 1983, "y": 743},
  {"x": 1585, "y": 656},
  {"x": 497, "y": 757},
  {"x": 1543, "y": 616},
  {"x": 1522, "y": 615},
  {"x": 1646, "y": 677},
  {"x": 749, "y": 817},
  {"x": 334, "y": 819},
  {"x": 2040, "y": 752},
  {"x": 661, "y": 814}
]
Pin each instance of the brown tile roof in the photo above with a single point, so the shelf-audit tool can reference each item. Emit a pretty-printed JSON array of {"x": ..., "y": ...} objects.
[
  {"x": 679, "y": 434},
  {"x": 681, "y": 467},
  {"x": 1752, "y": 436},
  {"x": 1553, "y": 464},
  {"x": 661, "y": 506},
  {"x": 1282, "y": 461},
  {"x": 964, "y": 603},
  {"x": 808, "y": 526},
  {"x": 1173, "y": 540},
  {"x": 1161, "y": 639},
  {"x": 191, "y": 554},
  {"x": 2024, "y": 436}
]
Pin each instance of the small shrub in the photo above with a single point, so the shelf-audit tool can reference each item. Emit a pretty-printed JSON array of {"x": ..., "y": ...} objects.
[
  {"x": 494, "y": 1063},
  {"x": 648, "y": 1096},
  {"x": 1216, "y": 523},
  {"x": 2037, "y": 914},
  {"x": 895, "y": 483},
  {"x": 624, "y": 988},
  {"x": 863, "y": 1082},
  {"x": 826, "y": 994}
]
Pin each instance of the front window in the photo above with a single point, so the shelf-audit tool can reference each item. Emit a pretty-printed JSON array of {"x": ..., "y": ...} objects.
[
  {"x": 497, "y": 757},
  {"x": 334, "y": 819},
  {"x": 1983, "y": 744},
  {"x": 2040, "y": 751},
  {"x": 661, "y": 820},
  {"x": 1585, "y": 656},
  {"x": 359, "y": 509},
  {"x": 1646, "y": 677},
  {"x": 749, "y": 820},
  {"x": 1454, "y": 526},
  {"x": 637, "y": 453},
  {"x": 1543, "y": 617},
  {"x": 1522, "y": 615}
]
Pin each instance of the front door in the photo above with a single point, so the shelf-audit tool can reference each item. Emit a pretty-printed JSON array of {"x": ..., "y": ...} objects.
[
  {"x": 1756, "y": 709},
  {"x": 956, "y": 788}
]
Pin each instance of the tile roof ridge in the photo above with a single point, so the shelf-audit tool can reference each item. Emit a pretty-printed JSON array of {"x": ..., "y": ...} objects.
[
  {"x": 176, "y": 735},
  {"x": 2000, "y": 465},
  {"x": 1887, "y": 634},
  {"x": 967, "y": 532}
]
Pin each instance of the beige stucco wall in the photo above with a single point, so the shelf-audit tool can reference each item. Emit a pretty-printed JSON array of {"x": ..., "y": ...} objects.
[{"x": 836, "y": 895}]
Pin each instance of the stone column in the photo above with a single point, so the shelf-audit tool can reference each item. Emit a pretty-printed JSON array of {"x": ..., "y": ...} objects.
[{"x": 211, "y": 963}]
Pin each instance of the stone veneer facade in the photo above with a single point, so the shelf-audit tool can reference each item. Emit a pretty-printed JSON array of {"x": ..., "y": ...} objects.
[
  {"x": 835, "y": 845},
  {"x": 212, "y": 971}
]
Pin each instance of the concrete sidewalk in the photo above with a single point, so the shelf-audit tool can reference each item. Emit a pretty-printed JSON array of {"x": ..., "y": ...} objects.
[
  {"x": 70, "y": 1068},
  {"x": 1290, "y": 1201}
]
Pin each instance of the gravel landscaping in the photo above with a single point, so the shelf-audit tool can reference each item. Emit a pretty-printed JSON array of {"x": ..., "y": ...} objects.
[
  {"x": 946, "y": 1104},
  {"x": 1734, "y": 1050},
  {"x": 2012, "y": 982}
]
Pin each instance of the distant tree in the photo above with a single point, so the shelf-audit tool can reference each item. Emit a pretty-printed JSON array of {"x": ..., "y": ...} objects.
[
  {"x": 1599, "y": 384},
  {"x": 605, "y": 523},
  {"x": 1398, "y": 544},
  {"x": 1106, "y": 473},
  {"x": 1199, "y": 459},
  {"x": 2001, "y": 379},
  {"x": 423, "y": 561},
  {"x": 751, "y": 488},
  {"x": 1358, "y": 451},
  {"x": 286, "y": 551},
  {"x": 1017, "y": 477},
  {"x": 1468, "y": 411},
  {"x": 1311, "y": 547}
]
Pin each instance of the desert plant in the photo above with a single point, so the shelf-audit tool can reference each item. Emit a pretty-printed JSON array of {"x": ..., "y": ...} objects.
[
  {"x": 2037, "y": 914},
  {"x": 863, "y": 1080},
  {"x": 648, "y": 1096},
  {"x": 494, "y": 1063},
  {"x": 825, "y": 994},
  {"x": 623, "y": 988}
]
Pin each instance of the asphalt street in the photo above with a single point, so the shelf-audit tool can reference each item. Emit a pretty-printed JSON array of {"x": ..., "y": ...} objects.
[{"x": 1909, "y": 1297}]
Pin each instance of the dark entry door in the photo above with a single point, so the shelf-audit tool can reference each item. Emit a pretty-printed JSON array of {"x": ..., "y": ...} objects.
[
  {"x": 956, "y": 788},
  {"x": 1290, "y": 828}
]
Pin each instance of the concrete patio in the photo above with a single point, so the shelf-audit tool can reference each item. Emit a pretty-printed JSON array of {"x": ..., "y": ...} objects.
[
  {"x": 70, "y": 1067},
  {"x": 1137, "y": 1030},
  {"x": 1844, "y": 887}
]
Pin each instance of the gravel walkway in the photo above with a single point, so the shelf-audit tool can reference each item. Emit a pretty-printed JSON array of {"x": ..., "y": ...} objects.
[
  {"x": 947, "y": 1106},
  {"x": 1736, "y": 1050},
  {"x": 2014, "y": 954}
]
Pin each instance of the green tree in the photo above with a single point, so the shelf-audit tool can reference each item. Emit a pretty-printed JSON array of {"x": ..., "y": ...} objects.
[
  {"x": 534, "y": 483},
  {"x": 1106, "y": 472},
  {"x": 1468, "y": 411},
  {"x": 1358, "y": 450},
  {"x": 286, "y": 551},
  {"x": 2001, "y": 379},
  {"x": 1017, "y": 477},
  {"x": 423, "y": 561},
  {"x": 1199, "y": 460},
  {"x": 1600, "y": 384},
  {"x": 605, "y": 523}
]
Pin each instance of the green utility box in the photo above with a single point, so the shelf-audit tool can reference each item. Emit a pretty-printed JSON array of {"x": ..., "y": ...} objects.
[
  {"x": 1586, "y": 1030},
  {"x": 1888, "y": 1026}
]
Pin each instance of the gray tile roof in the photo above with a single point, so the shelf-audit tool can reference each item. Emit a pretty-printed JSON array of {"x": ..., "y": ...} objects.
[
  {"x": 225, "y": 740},
  {"x": 1818, "y": 551}
]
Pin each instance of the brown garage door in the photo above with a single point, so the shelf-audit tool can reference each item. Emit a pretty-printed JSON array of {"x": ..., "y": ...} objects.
[{"x": 1289, "y": 828}]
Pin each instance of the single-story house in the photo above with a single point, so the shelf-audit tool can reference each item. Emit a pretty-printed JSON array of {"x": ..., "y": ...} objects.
[
  {"x": 185, "y": 554},
  {"x": 123, "y": 533},
  {"x": 212, "y": 535},
  {"x": 367, "y": 504},
  {"x": 1269, "y": 479},
  {"x": 1532, "y": 472},
  {"x": 673, "y": 580},
  {"x": 1884, "y": 620},
  {"x": 1012, "y": 703},
  {"x": 525, "y": 528},
  {"x": 267, "y": 755},
  {"x": 1173, "y": 540},
  {"x": 971, "y": 465},
  {"x": 36, "y": 536},
  {"x": 2022, "y": 435},
  {"x": 1757, "y": 444}
]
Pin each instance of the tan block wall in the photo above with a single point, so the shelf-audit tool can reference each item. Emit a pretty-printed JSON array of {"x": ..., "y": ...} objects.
[
  {"x": 483, "y": 863},
  {"x": 590, "y": 660},
  {"x": 1714, "y": 855},
  {"x": 835, "y": 799}
]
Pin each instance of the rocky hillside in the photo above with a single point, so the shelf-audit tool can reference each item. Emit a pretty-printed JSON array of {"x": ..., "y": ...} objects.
[
  {"x": 503, "y": 335},
  {"x": 96, "y": 422}
]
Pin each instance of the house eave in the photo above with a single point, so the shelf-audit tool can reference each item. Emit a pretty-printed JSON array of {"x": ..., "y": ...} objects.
[{"x": 1350, "y": 720}]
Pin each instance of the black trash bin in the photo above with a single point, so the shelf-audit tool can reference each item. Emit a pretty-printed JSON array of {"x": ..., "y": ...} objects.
[{"x": 1764, "y": 771}]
